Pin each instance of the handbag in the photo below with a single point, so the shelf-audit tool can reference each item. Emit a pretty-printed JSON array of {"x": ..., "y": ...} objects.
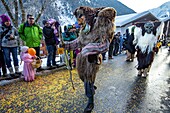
[
  {"x": 36, "y": 63},
  {"x": 60, "y": 51}
]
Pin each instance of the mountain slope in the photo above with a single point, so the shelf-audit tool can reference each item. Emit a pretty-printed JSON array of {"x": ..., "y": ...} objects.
[
  {"x": 163, "y": 11},
  {"x": 62, "y": 9}
]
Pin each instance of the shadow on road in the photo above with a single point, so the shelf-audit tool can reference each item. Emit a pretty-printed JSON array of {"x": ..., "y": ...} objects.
[
  {"x": 137, "y": 95},
  {"x": 165, "y": 100}
]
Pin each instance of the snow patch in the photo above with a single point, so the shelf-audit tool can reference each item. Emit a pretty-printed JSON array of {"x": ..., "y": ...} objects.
[
  {"x": 63, "y": 14},
  {"x": 21, "y": 64},
  {"x": 88, "y": 1}
]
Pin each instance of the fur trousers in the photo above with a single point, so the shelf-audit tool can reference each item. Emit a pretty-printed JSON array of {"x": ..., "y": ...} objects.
[
  {"x": 144, "y": 59},
  {"x": 87, "y": 71}
]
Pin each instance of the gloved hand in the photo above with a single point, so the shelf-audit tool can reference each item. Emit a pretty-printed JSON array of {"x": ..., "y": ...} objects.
[
  {"x": 11, "y": 37},
  {"x": 62, "y": 44}
]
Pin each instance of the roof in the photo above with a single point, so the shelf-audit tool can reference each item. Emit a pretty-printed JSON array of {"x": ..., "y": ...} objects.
[
  {"x": 166, "y": 19},
  {"x": 125, "y": 19}
]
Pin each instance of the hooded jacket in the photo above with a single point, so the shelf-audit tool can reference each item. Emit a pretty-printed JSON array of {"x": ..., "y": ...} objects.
[
  {"x": 48, "y": 33},
  {"x": 32, "y": 35}
]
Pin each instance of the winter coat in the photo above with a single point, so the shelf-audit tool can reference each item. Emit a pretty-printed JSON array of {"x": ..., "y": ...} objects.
[
  {"x": 69, "y": 36},
  {"x": 28, "y": 70},
  {"x": 48, "y": 33},
  {"x": 129, "y": 45},
  {"x": 5, "y": 40},
  {"x": 32, "y": 35}
]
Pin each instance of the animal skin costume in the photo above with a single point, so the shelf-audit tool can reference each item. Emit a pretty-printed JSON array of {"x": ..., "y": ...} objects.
[
  {"x": 97, "y": 29},
  {"x": 146, "y": 36}
]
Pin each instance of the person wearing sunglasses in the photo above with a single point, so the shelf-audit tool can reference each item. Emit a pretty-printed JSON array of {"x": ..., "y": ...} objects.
[{"x": 31, "y": 34}]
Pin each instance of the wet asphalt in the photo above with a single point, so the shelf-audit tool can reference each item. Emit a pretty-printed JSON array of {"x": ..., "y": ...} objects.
[{"x": 120, "y": 90}]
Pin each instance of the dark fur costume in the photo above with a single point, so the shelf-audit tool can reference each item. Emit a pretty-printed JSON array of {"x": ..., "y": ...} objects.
[
  {"x": 97, "y": 29},
  {"x": 145, "y": 41},
  {"x": 144, "y": 59},
  {"x": 101, "y": 21},
  {"x": 87, "y": 71}
]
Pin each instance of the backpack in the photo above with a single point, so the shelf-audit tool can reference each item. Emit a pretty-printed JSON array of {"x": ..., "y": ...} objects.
[{"x": 25, "y": 26}]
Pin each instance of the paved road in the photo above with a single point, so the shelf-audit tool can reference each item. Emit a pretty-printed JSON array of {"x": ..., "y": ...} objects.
[{"x": 119, "y": 90}]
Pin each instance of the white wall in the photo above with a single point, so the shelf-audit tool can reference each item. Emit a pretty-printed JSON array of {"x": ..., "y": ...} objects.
[{"x": 123, "y": 29}]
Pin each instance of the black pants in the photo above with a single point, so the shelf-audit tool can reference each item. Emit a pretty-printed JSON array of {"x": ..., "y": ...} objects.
[
  {"x": 2, "y": 63},
  {"x": 54, "y": 56},
  {"x": 104, "y": 55},
  {"x": 37, "y": 51},
  {"x": 89, "y": 91},
  {"x": 110, "y": 52},
  {"x": 116, "y": 49}
]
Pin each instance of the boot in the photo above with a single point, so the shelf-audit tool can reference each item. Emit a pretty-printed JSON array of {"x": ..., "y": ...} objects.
[
  {"x": 139, "y": 72},
  {"x": 89, "y": 108},
  {"x": 3, "y": 73},
  {"x": 149, "y": 67},
  {"x": 11, "y": 72},
  {"x": 145, "y": 73},
  {"x": 17, "y": 70},
  {"x": 90, "y": 105},
  {"x": 89, "y": 91},
  {"x": 95, "y": 87}
]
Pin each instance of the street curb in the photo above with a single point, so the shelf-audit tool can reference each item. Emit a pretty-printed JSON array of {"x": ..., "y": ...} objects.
[{"x": 41, "y": 73}]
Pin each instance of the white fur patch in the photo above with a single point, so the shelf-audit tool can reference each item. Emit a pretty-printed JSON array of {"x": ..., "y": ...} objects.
[
  {"x": 148, "y": 40},
  {"x": 160, "y": 29}
]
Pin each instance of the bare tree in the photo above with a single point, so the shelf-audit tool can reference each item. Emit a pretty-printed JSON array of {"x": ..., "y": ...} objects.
[
  {"x": 8, "y": 11},
  {"x": 41, "y": 10},
  {"x": 22, "y": 10},
  {"x": 19, "y": 6},
  {"x": 16, "y": 12}
]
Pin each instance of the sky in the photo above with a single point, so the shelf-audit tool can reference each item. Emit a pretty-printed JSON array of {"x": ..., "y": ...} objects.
[{"x": 143, "y": 5}]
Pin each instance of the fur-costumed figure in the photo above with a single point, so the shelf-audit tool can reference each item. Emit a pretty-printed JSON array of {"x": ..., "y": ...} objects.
[
  {"x": 146, "y": 36},
  {"x": 96, "y": 32}
]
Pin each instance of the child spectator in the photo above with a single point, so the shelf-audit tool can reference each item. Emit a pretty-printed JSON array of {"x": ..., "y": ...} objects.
[{"x": 28, "y": 70}]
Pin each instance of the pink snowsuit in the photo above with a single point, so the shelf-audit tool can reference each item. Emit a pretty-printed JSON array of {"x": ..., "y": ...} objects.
[{"x": 28, "y": 70}]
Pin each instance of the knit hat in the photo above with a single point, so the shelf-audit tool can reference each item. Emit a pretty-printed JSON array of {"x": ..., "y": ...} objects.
[
  {"x": 4, "y": 18},
  {"x": 77, "y": 25},
  {"x": 44, "y": 22},
  {"x": 51, "y": 21},
  {"x": 24, "y": 49}
]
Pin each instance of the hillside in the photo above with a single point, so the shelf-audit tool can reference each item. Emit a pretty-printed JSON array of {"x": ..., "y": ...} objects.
[
  {"x": 62, "y": 9},
  {"x": 163, "y": 11}
]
